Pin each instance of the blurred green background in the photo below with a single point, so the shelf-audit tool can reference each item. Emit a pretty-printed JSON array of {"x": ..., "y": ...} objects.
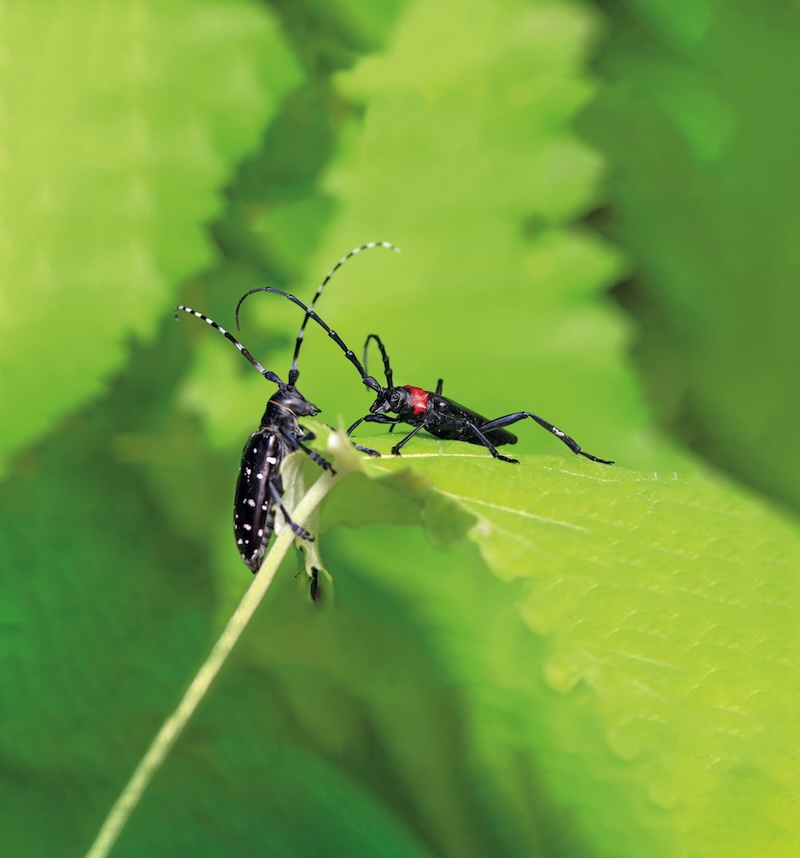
[{"x": 597, "y": 207}]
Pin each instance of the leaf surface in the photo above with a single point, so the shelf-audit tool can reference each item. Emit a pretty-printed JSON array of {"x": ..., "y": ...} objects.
[
  {"x": 121, "y": 123},
  {"x": 657, "y": 650}
]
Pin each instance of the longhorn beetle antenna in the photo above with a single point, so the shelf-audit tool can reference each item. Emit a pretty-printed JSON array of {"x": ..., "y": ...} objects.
[
  {"x": 310, "y": 314},
  {"x": 270, "y": 376},
  {"x": 294, "y": 372},
  {"x": 386, "y": 367}
]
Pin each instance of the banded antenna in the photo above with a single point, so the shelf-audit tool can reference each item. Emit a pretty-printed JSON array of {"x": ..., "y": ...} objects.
[
  {"x": 270, "y": 376},
  {"x": 294, "y": 372}
]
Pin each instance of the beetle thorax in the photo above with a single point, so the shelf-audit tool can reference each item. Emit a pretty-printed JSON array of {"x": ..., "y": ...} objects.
[{"x": 285, "y": 406}]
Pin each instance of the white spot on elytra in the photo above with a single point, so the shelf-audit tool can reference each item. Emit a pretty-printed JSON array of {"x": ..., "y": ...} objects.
[
  {"x": 247, "y": 527},
  {"x": 272, "y": 460},
  {"x": 251, "y": 502}
]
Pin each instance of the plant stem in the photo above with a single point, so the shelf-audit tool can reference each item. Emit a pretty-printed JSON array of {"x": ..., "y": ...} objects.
[{"x": 173, "y": 726}]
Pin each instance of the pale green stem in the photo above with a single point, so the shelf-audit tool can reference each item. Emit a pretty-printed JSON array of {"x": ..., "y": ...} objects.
[{"x": 173, "y": 726}]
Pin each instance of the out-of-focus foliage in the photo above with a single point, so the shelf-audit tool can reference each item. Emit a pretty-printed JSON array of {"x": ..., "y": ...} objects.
[
  {"x": 697, "y": 117},
  {"x": 609, "y": 686},
  {"x": 120, "y": 123}
]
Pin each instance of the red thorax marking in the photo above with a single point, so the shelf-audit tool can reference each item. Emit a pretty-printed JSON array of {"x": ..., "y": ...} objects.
[{"x": 419, "y": 398}]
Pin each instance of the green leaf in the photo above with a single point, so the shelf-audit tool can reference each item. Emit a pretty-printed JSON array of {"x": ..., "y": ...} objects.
[
  {"x": 119, "y": 127},
  {"x": 643, "y": 644}
]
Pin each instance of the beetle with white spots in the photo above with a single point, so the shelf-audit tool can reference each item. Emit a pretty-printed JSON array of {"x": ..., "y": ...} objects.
[{"x": 259, "y": 489}]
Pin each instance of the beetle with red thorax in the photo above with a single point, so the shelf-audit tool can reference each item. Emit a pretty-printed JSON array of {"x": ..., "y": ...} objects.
[
  {"x": 444, "y": 418},
  {"x": 438, "y": 415}
]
